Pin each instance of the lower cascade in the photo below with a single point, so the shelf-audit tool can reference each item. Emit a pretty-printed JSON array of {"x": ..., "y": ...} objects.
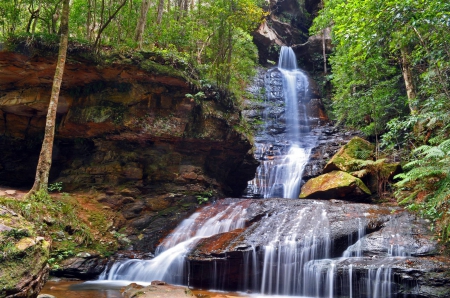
[
  {"x": 277, "y": 247},
  {"x": 169, "y": 263}
]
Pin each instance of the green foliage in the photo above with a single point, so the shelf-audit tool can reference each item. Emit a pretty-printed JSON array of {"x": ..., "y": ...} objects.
[
  {"x": 374, "y": 41},
  {"x": 56, "y": 186},
  {"x": 425, "y": 186},
  {"x": 206, "y": 40},
  {"x": 391, "y": 78},
  {"x": 204, "y": 197}
]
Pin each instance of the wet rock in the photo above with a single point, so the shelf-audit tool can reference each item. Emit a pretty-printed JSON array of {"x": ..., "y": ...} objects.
[
  {"x": 82, "y": 267},
  {"x": 387, "y": 259},
  {"x": 335, "y": 185},
  {"x": 404, "y": 235},
  {"x": 270, "y": 223},
  {"x": 346, "y": 159},
  {"x": 156, "y": 290},
  {"x": 390, "y": 277}
]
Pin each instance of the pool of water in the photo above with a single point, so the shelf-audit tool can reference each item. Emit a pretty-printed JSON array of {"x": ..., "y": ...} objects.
[{"x": 111, "y": 289}]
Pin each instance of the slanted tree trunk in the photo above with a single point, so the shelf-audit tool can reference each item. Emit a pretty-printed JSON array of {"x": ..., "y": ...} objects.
[
  {"x": 103, "y": 23},
  {"x": 139, "y": 37},
  {"x": 409, "y": 83},
  {"x": 45, "y": 157}
]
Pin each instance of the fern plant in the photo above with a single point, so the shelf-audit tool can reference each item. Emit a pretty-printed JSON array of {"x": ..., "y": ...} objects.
[{"x": 425, "y": 185}]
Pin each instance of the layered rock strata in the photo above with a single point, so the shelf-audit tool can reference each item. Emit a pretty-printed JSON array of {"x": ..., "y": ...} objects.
[{"x": 136, "y": 132}]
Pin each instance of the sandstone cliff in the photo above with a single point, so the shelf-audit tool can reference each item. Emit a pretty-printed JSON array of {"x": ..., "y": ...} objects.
[{"x": 135, "y": 130}]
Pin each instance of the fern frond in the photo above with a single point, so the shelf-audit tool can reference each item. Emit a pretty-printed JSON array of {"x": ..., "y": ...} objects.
[
  {"x": 412, "y": 164},
  {"x": 433, "y": 153},
  {"x": 408, "y": 198},
  {"x": 421, "y": 149},
  {"x": 445, "y": 146}
]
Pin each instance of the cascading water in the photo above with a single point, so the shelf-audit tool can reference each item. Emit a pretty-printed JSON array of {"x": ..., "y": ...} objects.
[
  {"x": 169, "y": 263},
  {"x": 283, "y": 155},
  {"x": 296, "y": 258}
]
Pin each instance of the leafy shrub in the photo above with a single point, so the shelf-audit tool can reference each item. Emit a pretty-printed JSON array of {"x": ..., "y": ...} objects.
[{"x": 425, "y": 186}]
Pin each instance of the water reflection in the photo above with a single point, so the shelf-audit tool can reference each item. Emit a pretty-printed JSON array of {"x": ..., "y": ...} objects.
[
  {"x": 77, "y": 289},
  {"x": 111, "y": 289}
]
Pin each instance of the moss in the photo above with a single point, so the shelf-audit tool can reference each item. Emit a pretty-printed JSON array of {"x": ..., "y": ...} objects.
[
  {"x": 63, "y": 219},
  {"x": 105, "y": 111},
  {"x": 336, "y": 183},
  {"x": 157, "y": 68},
  {"x": 348, "y": 158},
  {"x": 22, "y": 255}
]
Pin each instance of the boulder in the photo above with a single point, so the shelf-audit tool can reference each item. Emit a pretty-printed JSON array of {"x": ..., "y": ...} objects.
[
  {"x": 335, "y": 185},
  {"x": 156, "y": 289},
  {"x": 83, "y": 266},
  {"x": 346, "y": 159},
  {"x": 23, "y": 257}
]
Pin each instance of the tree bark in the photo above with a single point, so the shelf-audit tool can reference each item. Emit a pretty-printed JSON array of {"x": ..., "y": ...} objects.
[
  {"x": 139, "y": 37},
  {"x": 45, "y": 157},
  {"x": 409, "y": 83},
  {"x": 160, "y": 11}
]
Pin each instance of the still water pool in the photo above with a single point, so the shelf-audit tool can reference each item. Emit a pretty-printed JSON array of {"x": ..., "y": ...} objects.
[{"x": 111, "y": 289}]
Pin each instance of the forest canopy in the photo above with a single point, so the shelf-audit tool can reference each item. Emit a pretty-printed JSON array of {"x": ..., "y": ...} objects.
[{"x": 212, "y": 35}]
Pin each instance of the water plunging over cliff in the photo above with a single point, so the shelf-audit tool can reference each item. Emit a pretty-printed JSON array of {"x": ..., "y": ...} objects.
[
  {"x": 285, "y": 144},
  {"x": 169, "y": 263}
]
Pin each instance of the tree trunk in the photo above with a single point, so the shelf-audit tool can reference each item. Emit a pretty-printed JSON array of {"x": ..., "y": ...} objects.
[
  {"x": 160, "y": 11},
  {"x": 88, "y": 20},
  {"x": 45, "y": 157},
  {"x": 409, "y": 83},
  {"x": 324, "y": 53},
  {"x": 141, "y": 23},
  {"x": 105, "y": 24}
]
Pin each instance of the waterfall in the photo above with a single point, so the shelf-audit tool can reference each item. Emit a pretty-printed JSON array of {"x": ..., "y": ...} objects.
[
  {"x": 295, "y": 258},
  {"x": 286, "y": 145},
  {"x": 169, "y": 263}
]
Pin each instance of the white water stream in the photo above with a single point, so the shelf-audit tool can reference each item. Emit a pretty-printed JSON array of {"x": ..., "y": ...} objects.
[
  {"x": 280, "y": 171},
  {"x": 169, "y": 263}
]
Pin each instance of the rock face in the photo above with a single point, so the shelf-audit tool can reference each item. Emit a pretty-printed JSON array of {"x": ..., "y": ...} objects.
[
  {"x": 371, "y": 238},
  {"x": 329, "y": 141},
  {"x": 23, "y": 257},
  {"x": 120, "y": 124},
  {"x": 83, "y": 266},
  {"x": 288, "y": 23},
  {"x": 135, "y": 132},
  {"x": 335, "y": 185}
]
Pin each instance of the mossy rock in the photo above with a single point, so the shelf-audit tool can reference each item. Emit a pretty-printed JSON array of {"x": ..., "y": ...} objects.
[
  {"x": 335, "y": 185},
  {"x": 23, "y": 257},
  {"x": 346, "y": 159}
]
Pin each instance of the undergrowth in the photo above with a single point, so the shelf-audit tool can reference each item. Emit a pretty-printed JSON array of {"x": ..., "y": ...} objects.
[{"x": 59, "y": 219}]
